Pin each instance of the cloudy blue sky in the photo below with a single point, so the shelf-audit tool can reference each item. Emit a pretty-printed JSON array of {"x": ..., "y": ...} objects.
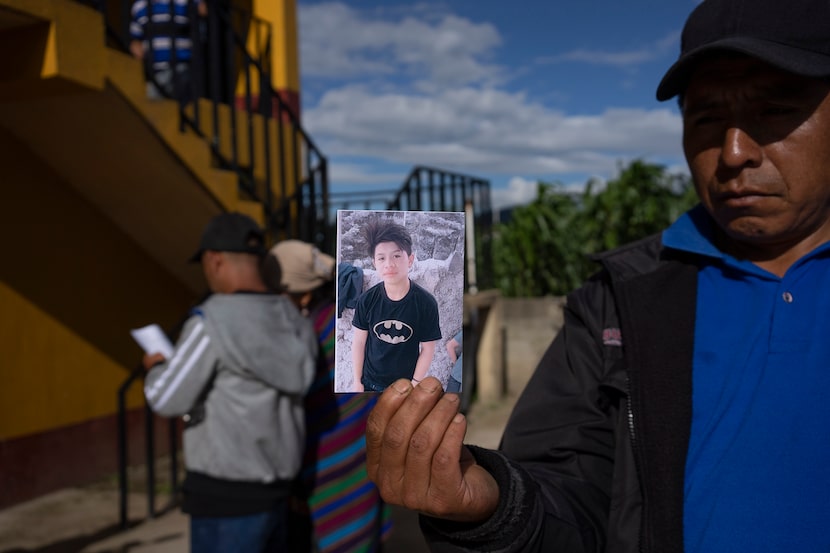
[{"x": 515, "y": 92}]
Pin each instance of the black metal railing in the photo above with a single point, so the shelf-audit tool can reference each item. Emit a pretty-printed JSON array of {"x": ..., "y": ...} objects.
[
  {"x": 297, "y": 198},
  {"x": 173, "y": 434},
  {"x": 228, "y": 98},
  {"x": 432, "y": 189},
  {"x": 149, "y": 453}
]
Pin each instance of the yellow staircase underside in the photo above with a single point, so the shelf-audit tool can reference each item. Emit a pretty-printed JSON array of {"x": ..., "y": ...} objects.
[{"x": 82, "y": 108}]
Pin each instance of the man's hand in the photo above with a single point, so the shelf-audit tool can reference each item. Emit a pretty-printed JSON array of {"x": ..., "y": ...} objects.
[
  {"x": 416, "y": 456},
  {"x": 150, "y": 360}
]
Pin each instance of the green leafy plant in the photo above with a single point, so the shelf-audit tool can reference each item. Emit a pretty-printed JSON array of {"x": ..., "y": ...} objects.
[{"x": 543, "y": 249}]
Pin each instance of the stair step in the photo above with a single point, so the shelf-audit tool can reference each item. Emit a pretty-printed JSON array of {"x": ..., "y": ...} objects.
[
  {"x": 127, "y": 74},
  {"x": 242, "y": 147}
]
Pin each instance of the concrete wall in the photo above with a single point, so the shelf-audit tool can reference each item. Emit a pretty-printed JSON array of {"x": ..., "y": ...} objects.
[
  {"x": 71, "y": 287},
  {"x": 516, "y": 333}
]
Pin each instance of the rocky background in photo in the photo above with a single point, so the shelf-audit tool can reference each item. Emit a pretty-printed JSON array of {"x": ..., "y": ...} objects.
[{"x": 438, "y": 246}]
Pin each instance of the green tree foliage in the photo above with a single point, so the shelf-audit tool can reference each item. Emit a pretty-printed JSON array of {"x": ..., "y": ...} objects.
[{"x": 544, "y": 248}]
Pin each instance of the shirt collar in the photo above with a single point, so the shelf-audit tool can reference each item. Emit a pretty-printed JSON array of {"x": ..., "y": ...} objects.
[{"x": 693, "y": 232}]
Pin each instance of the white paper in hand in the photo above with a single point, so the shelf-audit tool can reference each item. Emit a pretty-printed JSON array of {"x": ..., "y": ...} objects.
[{"x": 152, "y": 339}]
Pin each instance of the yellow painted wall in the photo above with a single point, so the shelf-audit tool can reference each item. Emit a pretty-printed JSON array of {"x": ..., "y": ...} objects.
[
  {"x": 285, "y": 65},
  {"x": 285, "y": 77},
  {"x": 41, "y": 49},
  {"x": 51, "y": 377},
  {"x": 285, "y": 57},
  {"x": 72, "y": 285}
]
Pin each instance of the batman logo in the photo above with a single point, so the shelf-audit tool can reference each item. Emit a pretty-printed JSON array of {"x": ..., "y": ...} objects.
[{"x": 393, "y": 332}]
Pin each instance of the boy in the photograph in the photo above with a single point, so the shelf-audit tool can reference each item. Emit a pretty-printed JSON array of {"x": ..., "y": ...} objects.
[{"x": 396, "y": 321}]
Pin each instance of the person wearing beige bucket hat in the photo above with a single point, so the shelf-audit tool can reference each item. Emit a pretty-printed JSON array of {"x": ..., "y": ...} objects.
[
  {"x": 333, "y": 475},
  {"x": 304, "y": 266}
]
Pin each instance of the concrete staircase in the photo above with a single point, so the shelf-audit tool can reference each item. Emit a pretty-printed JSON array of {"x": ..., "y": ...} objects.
[
  {"x": 126, "y": 75},
  {"x": 81, "y": 107}
]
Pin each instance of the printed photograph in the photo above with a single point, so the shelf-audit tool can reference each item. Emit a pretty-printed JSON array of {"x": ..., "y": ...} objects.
[{"x": 400, "y": 294}]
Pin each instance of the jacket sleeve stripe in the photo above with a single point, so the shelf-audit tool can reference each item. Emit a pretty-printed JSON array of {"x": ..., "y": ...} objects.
[
  {"x": 180, "y": 352},
  {"x": 181, "y": 374}
]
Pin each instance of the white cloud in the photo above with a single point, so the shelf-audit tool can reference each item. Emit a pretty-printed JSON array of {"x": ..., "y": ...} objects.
[
  {"x": 416, "y": 84},
  {"x": 619, "y": 59},
  {"x": 486, "y": 130},
  {"x": 337, "y": 41},
  {"x": 519, "y": 191},
  {"x": 361, "y": 174}
]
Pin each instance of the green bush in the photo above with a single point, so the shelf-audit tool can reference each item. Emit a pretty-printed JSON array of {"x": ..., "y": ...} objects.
[{"x": 543, "y": 249}]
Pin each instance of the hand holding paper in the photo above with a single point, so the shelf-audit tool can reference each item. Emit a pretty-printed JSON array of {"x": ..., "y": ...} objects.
[{"x": 152, "y": 339}]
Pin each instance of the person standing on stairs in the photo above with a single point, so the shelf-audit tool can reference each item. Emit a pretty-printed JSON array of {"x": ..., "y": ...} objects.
[{"x": 162, "y": 36}]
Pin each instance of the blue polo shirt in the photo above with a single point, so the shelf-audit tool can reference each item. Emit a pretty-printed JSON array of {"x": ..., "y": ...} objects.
[{"x": 758, "y": 465}]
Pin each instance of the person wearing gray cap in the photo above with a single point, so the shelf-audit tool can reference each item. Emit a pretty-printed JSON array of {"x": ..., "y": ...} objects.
[
  {"x": 240, "y": 369},
  {"x": 680, "y": 408}
]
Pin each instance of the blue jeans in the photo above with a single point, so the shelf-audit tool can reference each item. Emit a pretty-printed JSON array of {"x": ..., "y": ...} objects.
[{"x": 245, "y": 534}]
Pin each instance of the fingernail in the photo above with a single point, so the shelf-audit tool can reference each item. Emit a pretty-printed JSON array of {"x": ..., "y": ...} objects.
[
  {"x": 402, "y": 386},
  {"x": 458, "y": 418},
  {"x": 452, "y": 398}
]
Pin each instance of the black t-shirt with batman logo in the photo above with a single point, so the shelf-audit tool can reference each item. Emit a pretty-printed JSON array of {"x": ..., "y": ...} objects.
[{"x": 396, "y": 329}]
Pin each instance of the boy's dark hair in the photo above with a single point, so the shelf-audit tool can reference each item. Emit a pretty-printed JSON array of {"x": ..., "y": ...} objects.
[{"x": 378, "y": 231}]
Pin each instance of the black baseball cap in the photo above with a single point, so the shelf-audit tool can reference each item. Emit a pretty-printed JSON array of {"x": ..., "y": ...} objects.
[
  {"x": 793, "y": 35},
  {"x": 231, "y": 232}
]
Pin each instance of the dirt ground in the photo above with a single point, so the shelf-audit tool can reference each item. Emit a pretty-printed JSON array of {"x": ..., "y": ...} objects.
[
  {"x": 68, "y": 520},
  {"x": 86, "y": 519}
]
